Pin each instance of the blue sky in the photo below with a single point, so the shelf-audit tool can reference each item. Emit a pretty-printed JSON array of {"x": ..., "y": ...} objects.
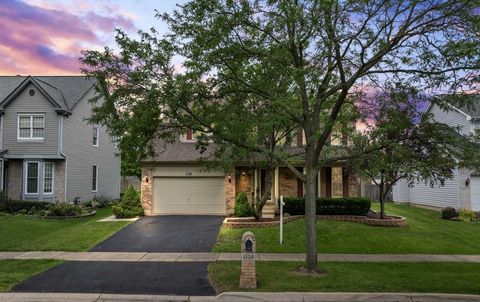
[{"x": 46, "y": 36}]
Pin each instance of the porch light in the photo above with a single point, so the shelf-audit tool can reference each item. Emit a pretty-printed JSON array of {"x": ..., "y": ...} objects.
[
  {"x": 146, "y": 179},
  {"x": 229, "y": 178},
  {"x": 243, "y": 173},
  {"x": 467, "y": 182}
]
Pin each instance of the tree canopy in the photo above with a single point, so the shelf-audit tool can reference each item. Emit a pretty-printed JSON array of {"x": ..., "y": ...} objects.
[{"x": 303, "y": 63}]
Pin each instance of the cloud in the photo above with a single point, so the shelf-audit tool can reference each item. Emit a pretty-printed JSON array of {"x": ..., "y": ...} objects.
[{"x": 38, "y": 39}]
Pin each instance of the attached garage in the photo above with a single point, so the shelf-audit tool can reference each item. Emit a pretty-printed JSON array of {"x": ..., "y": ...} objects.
[
  {"x": 475, "y": 192},
  {"x": 186, "y": 191}
]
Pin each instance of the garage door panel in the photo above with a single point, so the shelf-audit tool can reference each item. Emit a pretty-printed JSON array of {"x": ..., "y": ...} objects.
[
  {"x": 475, "y": 192},
  {"x": 189, "y": 195}
]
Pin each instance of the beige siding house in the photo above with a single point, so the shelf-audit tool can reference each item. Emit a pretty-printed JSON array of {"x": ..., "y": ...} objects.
[
  {"x": 463, "y": 190},
  {"x": 49, "y": 152},
  {"x": 174, "y": 183}
]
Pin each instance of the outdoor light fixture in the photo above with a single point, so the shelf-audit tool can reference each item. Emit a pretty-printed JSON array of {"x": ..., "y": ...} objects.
[
  {"x": 146, "y": 179},
  {"x": 467, "y": 182},
  {"x": 229, "y": 178},
  {"x": 243, "y": 173}
]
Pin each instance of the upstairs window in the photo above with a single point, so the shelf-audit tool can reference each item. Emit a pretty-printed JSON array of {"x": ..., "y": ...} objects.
[
  {"x": 95, "y": 136},
  {"x": 31, "y": 126}
]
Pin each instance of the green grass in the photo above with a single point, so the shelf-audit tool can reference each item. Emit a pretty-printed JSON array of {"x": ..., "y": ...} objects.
[
  {"x": 13, "y": 272},
  {"x": 354, "y": 277},
  {"x": 25, "y": 233},
  {"x": 426, "y": 233}
]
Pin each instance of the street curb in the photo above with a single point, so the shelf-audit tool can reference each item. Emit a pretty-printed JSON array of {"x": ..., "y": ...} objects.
[{"x": 240, "y": 297}]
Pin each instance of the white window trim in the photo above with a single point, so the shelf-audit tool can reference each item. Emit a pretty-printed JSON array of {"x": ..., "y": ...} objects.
[
  {"x": 96, "y": 179},
  {"x": 53, "y": 178},
  {"x": 98, "y": 136},
  {"x": 26, "y": 177},
  {"x": 31, "y": 138}
]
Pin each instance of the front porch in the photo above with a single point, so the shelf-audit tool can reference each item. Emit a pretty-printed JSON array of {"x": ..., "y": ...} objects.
[
  {"x": 33, "y": 179},
  {"x": 332, "y": 182}
]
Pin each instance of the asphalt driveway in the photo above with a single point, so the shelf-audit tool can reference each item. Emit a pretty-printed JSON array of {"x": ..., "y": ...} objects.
[
  {"x": 160, "y": 234},
  {"x": 165, "y": 234}
]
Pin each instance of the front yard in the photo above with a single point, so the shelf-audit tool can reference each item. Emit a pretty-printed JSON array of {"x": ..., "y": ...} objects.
[
  {"x": 425, "y": 233},
  {"x": 354, "y": 277},
  {"x": 25, "y": 233}
]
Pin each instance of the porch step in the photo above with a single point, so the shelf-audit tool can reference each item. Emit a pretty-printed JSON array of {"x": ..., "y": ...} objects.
[{"x": 268, "y": 210}]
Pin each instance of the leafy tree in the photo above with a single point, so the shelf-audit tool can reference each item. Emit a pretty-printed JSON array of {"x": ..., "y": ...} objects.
[
  {"x": 401, "y": 142},
  {"x": 306, "y": 61}
]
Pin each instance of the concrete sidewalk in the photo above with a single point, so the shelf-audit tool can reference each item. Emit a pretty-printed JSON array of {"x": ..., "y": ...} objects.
[
  {"x": 210, "y": 257},
  {"x": 240, "y": 297}
]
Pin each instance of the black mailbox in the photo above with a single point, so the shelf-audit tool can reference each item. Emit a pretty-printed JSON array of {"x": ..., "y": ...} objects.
[{"x": 248, "y": 246}]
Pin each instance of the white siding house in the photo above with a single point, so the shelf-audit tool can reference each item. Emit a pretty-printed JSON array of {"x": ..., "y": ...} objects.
[{"x": 462, "y": 191}]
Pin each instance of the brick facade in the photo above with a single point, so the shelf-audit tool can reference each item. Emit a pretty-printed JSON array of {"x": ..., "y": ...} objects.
[
  {"x": 14, "y": 178},
  {"x": 287, "y": 182},
  {"x": 230, "y": 193},
  {"x": 243, "y": 182},
  {"x": 59, "y": 181},
  {"x": 147, "y": 190}
]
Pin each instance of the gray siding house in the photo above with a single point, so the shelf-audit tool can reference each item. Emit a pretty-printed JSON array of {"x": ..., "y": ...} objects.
[
  {"x": 463, "y": 190},
  {"x": 48, "y": 151}
]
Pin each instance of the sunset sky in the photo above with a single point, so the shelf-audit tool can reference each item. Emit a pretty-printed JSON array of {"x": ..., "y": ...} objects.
[{"x": 45, "y": 37}]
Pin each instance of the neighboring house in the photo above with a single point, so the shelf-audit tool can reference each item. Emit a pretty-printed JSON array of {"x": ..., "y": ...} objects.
[
  {"x": 49, "y": 152},
  {"x": 173, "y": 182},
  {"x": 463, "y": 190}
]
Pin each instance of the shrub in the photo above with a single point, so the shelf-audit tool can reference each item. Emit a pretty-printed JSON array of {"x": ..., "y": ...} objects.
[
  {"x": 449, "y": 213},
  {"x": 330, "y": 206},
  {"x": 20, "y": 206},
  {"x": 242, "y": 208},
  {"x": 467, "y": 215},
  {"x": 63, "y": 209},
  {"x": 130, "y": 205},
  {"x": 100, "y": 202}
]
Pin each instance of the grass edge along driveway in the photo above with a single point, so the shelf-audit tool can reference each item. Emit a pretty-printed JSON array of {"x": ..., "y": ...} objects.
[
  {"x": 460, "y": 278},
  {"x": 28, "y": 233},
  {"x": 13, "y": 272},
  {"x": 425, "y": 233}
]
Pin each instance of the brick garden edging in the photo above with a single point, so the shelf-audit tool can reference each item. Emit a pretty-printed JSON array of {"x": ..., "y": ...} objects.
[{"x": 235, "y": 222}]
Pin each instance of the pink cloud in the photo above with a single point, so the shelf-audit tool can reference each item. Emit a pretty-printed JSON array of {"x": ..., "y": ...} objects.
[{"x": 39, "y": 40}]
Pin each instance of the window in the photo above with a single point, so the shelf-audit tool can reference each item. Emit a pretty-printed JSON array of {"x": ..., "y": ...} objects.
[
  {"x": 48, "y": 178},
  {"x": 95, "y": 136},
  {"x": 95, "y": 178},
  {"x": 32, "y": 178},
  {"x": 31, "y": 126}
]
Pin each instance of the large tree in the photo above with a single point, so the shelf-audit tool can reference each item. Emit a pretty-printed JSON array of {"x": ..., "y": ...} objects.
[
  {"x": 400, "y": 141},
  {"x": 305, "y": 60}
]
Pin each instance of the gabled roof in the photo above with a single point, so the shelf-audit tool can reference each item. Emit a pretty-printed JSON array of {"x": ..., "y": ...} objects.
[
  {"x": 468, "y": 104},
  {"x": 63, "y": 92}
]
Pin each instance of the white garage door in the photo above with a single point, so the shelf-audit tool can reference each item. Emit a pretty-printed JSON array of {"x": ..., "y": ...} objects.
[
  {"x": 189, "y": 195},
  {"x": 475, "y": 192}
]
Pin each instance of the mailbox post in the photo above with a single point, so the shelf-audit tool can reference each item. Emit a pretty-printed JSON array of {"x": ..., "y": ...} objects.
[{"x": 248, "y": 277}]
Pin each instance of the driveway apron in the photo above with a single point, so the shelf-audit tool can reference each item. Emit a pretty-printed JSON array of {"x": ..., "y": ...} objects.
[{"x": 161, "y": 234}]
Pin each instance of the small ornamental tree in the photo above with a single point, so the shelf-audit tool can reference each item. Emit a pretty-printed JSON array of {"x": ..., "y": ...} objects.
[{"x": 402, "y": 142}]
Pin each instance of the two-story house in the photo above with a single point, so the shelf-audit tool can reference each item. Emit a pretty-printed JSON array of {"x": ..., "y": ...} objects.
[
  {"x": 173, "y": 182},
  {"x": 463, "y": 190},
  {"x": 49, "y": 152}
]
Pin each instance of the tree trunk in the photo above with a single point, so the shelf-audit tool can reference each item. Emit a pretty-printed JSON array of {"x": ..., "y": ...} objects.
[
  {"x": 382, "y": 200},
  {"x": 311, "y": 218},
  {"x": 260, "y": 202}
]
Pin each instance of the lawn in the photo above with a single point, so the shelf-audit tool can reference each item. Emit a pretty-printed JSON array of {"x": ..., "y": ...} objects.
[
  {"x": 25, "y": 233},
  {"x": 354, "y": 277},
  {"x": 426, "y": 233},
  {"x": 13, "y": 272}
]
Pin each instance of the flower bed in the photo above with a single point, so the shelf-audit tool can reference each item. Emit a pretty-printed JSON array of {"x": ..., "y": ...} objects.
[{"x": 250, "y": 222}]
